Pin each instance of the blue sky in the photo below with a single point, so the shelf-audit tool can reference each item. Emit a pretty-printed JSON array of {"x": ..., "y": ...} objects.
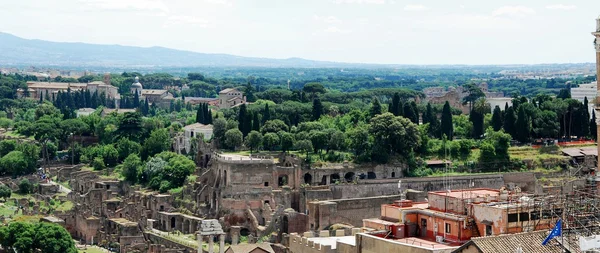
[{"x": 367, "y": 31}]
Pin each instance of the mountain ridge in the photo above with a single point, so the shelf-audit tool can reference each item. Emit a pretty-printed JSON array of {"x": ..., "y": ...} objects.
[{"x": 20, "y": 51}]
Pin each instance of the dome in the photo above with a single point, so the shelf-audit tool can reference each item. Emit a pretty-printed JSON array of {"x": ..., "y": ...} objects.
[{"x": 137, "y": 83}]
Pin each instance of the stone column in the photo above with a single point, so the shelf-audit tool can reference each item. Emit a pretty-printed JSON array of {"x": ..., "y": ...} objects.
[
  {"x": 234, "y": 231},
  {"x": 199, "y": 237},
  {"x": 211, "y": 239},
  {"x": 221, "y": 243}
]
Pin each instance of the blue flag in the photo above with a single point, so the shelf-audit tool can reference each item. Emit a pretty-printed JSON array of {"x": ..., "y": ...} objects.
[{"x": 556, "y": 231}]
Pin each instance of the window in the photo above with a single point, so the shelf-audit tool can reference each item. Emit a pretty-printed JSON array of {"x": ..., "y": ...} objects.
[
  {"x": 266, "y": 184},
  {"x": 488, "y": 230},
  {"x": 448, "y": 228}
]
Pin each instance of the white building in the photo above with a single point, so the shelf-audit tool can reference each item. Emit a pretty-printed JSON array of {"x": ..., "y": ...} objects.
[
  {"x": 501, "y": 102},
  {"x": 195, "y": 131},
  {"x": 584, "y": 90}
]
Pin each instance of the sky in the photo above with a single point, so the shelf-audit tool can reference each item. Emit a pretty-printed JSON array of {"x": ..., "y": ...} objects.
[{"x": 357, "y": 31}]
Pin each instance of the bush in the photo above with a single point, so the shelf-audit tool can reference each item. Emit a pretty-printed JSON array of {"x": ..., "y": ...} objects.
[
  {"x": 98, "y": 163},
  {"x": 5, "y": 192},
  {"x": 25, "y": 187}
]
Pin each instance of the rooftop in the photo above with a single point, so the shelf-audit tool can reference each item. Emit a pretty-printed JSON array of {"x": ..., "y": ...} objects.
[
  {"x": 424, "y": 243},
  {"x": 247, "y": 248},
  {"x": 124, "y": 222},
  {"x": 332, "y": 241},
  {"x": 530, "y": 242},
  {"x": 153, "y": 92},
  {"x": 197, "y": 126},
  {"x": 467, "y": 193},
  {"x": 227, "y": 90}
]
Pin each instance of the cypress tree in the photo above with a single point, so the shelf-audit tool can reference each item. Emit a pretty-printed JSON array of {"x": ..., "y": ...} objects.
[
  {"x": 431, "y": 118},
  {"x": 476, "y": 117},
  {"x": 47, "y": 96},
  {"x": 242, "y": 118},
  {"x": 446, "y": 125},
  {"x": 522, "y": 126},
  {"x": 209, "y": 119},
  {"x": 136, "y": 100},
  {"x": 266, "y": 116},
  {"x": 375, "y": 108},
  {"x": 94, "y": 103},
  {"x": 409, "y": 112},
  {"x": 395, "y": 104},
  {"x": 171, "y": 106},
  {"x": 41, "y": 99},
  {"x": 146, "y": 107},
  {"x": 317, "y": 109},
  {"x": 415, "y": 110},
  {"x": 497, "y": 119},
  {"x": 585, "y": 118},
  {"x": 390, "y": 108},
  {"x": 593, "y": 128},
  {"x": 509, "y": 121},
  {"x": 200, "y": 114},
  {"x": 255, "y": 122},
  {"x": 88, "y": 97}
]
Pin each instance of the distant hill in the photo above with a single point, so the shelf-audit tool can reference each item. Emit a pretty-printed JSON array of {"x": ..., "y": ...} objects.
[{"x": 18, "y": 51}]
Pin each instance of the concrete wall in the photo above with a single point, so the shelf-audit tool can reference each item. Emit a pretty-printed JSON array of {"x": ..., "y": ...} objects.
[
  {"x": 373, "y": 244},
  {"x": 370, "y": 188},
  {"x": 348, "y": 211}
]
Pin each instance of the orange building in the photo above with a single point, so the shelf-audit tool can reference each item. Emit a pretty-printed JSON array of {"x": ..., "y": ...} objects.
[{"x": 453, "y": 217}]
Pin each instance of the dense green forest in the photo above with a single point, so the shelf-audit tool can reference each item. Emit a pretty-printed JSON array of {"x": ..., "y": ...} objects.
[{"x": 346, "y": 117}]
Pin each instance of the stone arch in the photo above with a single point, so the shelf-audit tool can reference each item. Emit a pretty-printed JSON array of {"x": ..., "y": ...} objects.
[
  {"x": 393, "y": 174},
  {"x": 308, "y": 178},
  {"x": 349, "y": 176},
  {"x": 173, "y": 222},
  {"x": 335, "y": 177},
  {"x": 283, "y": 180},
  {"x": 244, "y": 232},
  {"x": 371, "y": 175}
]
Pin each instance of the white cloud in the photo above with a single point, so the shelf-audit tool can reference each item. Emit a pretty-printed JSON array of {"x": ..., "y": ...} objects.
[
  {"x": 359, "y": 1},
  {"x": 415, "y": 7},
  {"x": 334, "y": 29},
  {"x": 328, "y": 20},
  {"x": 561, "y": 7},
  {"x": 513, "y": 11},
  {"x": 220, "y": 2},
  {"x": 188, "y": 20},
  {"x": 146, "y": 5}
]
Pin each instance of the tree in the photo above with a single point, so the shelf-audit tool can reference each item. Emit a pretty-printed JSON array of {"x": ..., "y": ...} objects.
[
  {"x": 254, "y": 140},
  {"x": 126, "y": 147},
  {"x": 287, "y": 141},
  {"x": 564, "y": 93},
  {"x": 394, "y": 134},
  {"x": 5, "y": 192},
  {"x": 477, "y": 117},
  {"x": 546, "y": 125},
  {"x": 200, "y": 114},
  {"x": 255, "y": 122},
  {"x": 244, "y": 120},
  {"x": 497, "y": 119},
  {"x": 153, "y": 169},
  {"x": 15, "y": 163},
  {"x": 130, "y": 126},
  {"x": 409, "y": 113},
  {"x": 523, "y": 126},
  {"x": 25, "y": 187},
  {"x": 132, "y": 168},
  {"x": 337, "y": 141},
  {"x": 249, "y": 92},
  {"x": 98, "y": 163},
  {"x": 271, "y": 140},
  {"x": 36, "y": 237},
  {"x": 274, "y": 126},
  {"x": 266, "y": 115},
  {"x": 474, "y": 93},
  {"x": 158, "y": 141},
  {"x": 447, "y": 127},
  {"x": 304, "y": 146},
  {"x": 317, "y": 109},
  {"x": 375, "y": 108},
  {"x": 395, "y": 105},
  {"x": 233, "y": 138},
  {"x": 313, "y": 89},
  {"x": 360, "y": 142},
  {"x": 509, "y": 121},
  {"x": 584, "y": 119}
]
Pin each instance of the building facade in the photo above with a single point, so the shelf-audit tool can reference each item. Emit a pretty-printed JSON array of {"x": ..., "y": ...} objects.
[{"x": 229, "y": 98}]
